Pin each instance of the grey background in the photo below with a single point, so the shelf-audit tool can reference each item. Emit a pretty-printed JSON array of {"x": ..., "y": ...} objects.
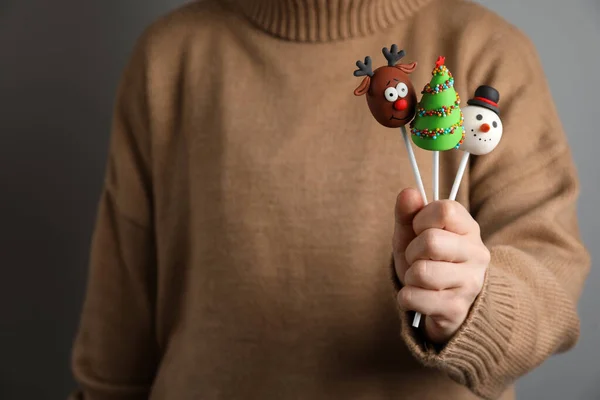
[{"x": 59, "y": 67}]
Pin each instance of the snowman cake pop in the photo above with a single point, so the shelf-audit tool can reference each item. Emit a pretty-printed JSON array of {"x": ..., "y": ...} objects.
[{"x": 482, "y": 126}]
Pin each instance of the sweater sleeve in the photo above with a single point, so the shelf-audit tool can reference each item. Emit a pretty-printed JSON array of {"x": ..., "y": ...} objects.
[
  {"x": 524, "y": 197},
  {"x": 115, "y": 351}
]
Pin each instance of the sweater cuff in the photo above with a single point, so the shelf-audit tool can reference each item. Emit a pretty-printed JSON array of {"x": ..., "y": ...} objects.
[{"x": 476, "y": 356}]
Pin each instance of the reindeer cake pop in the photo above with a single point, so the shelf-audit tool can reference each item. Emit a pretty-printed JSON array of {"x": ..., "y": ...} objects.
[
  {"x": 483, "y": 128},
  {"x": 390, "y": 94},
  {"x": 391, "y": 98}
]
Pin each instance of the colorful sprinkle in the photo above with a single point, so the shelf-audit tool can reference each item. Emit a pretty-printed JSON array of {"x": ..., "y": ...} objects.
[
  {"x": 438, "y": 112},
  {"x": 434, "y": 133},
  {"x": 441, "y": 70},
  {"x": 439, "y": 87}
]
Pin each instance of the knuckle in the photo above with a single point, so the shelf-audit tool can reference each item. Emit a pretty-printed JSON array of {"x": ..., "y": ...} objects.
[
  {"x": 420, "y": 271},
  {"x": 447, "y": 211},
  {"x": 431, "y": 242},
  {"x": 474, "y": 285},
  {"x": 430, "y": 239},
  {"x": 404, "y": 297}
]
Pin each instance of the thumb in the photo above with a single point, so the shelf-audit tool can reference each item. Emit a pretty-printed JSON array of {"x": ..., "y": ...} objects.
[{"x": 408, "y": 204}]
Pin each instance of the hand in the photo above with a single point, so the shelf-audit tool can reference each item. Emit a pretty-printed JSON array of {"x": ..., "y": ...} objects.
[{"x": 441, "y": 261}]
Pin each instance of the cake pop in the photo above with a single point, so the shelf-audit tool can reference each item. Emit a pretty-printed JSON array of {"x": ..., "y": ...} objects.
[
  {"x": 483, "y": 128},
  {"x": 390, "y": 94},
  {"x": 438, "y": 124},
  {"x": 391, "y": 98}
]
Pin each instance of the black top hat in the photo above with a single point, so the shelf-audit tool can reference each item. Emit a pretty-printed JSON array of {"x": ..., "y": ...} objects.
[{"x": 486, "y": 96}]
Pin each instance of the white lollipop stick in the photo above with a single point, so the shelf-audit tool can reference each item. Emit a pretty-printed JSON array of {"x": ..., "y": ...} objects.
[
  {"x": 413, "y": 164},
  {"x": 415, "y": 169},
  {"x": 436, "y": 175},
  {"x": 459, "y": 175},
  {"x": 417, "y": 319}
]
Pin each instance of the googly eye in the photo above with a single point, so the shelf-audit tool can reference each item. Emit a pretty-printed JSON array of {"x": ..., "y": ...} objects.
[
  {"x": 391, "y": 94},
  {"x": 402, "y": 89}
]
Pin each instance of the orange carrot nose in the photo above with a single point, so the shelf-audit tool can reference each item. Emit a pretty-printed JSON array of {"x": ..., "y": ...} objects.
[
  {"x": 484, "y": 128},
  {"x": 400, "y": 104}
]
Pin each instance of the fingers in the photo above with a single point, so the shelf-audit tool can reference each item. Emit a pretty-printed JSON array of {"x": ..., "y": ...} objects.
[
  {"x": 445, "y": 310},
  {"x": 445, "y": 304},
  {"x": 439, "y": 275},
  {"x": 439, "y": 245},
  {"x": 467, "y": 279},
  {"x": 448, "y": 215},
  {"x": 408, "y": 204},
  {"x": 444, "y": 266}
]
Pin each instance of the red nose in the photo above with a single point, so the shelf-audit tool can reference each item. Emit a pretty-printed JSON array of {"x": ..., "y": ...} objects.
[
  {"x": 400, "y": 104},
  {"x": 484, "y": 128}
]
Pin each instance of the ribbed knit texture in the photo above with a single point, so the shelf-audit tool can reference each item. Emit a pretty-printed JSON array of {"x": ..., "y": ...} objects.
[
  {"x": 324, "y": 20},
  {"x": 242, "y": 244}
]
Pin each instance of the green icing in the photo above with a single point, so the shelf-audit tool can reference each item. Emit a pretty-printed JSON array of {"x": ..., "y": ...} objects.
[
  {"x": 439, "y": 79},
  {"x": 433, "y": 122},
  {"x": 430, "y": 101},
  {"x": 442, "y": 143},
  {"x": 433, "y": 101}
]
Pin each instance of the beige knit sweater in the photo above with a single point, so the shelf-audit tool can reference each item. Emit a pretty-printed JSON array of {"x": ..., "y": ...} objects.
[{"x": 243, "y": 237}]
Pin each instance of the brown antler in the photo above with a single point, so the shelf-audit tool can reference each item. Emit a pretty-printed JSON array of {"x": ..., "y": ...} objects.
[
  {"x": 364, "y": 69},
  {"x": 393, "y": 55}
]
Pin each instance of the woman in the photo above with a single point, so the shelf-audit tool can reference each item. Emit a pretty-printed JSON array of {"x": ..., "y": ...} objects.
[{"x": 242, "y": 248}]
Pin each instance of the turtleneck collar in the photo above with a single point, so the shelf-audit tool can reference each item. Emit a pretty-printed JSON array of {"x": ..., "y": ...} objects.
[{"x": 325, "y": 20}]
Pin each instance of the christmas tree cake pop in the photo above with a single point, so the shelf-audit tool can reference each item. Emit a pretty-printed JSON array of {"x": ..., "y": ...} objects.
[{"x": 438, "y": 123}]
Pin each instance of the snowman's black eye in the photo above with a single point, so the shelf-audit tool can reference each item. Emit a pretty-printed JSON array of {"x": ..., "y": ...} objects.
[
  {"x": 495, "y": 124},
  {"x": 479, "y": 117}
]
